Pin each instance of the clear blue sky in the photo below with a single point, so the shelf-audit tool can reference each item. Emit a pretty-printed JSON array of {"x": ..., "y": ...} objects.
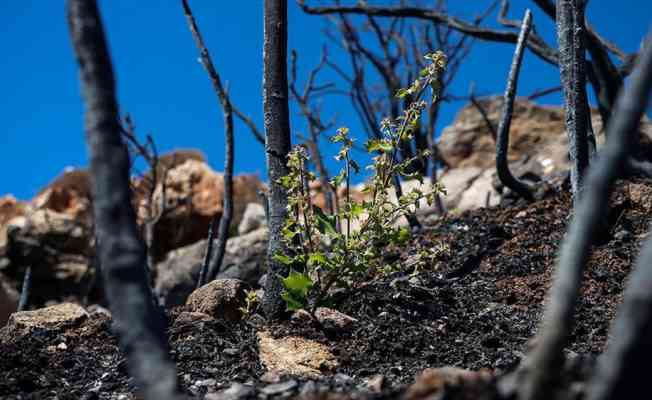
[{"x": 164, "y": 88}]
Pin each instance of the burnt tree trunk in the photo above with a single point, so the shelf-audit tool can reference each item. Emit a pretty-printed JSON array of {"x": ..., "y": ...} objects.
[
  {"x": 138, "y": 324},
  {"x": 572, "y": 67},
  {"x": 277, "y": 144},
  {"x": 545, "y": 361},
  {"x": 622, "y": 372}
]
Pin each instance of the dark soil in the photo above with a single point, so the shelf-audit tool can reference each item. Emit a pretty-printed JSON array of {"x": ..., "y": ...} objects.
[{"x": 475, "y": 304}]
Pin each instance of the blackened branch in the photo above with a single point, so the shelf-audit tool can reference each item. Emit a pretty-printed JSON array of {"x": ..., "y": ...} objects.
[{"x": 227, "y": 213}]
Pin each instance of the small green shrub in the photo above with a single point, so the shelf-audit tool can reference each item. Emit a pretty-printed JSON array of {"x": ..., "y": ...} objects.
[{"x": 324, "y": 250}]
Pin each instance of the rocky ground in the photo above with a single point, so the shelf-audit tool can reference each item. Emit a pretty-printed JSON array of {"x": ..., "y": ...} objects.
[{"x": 464, "y": 313}]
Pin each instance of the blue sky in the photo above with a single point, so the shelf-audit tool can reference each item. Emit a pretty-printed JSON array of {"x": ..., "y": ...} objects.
[{"x": 165, "y": 89}]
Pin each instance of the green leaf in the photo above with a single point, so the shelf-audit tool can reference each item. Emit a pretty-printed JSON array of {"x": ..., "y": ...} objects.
[
  {"x": 356, "y": 210},
  {"x": 379, "y": 145},
  {"x": 340, "y": 135},
  {"x": 297, "y": 285},
  {"x": 337, "y": 180},
  {"x": 289, "y": 233},
  {"x": 317, "y": 258},
  {"x": 402, "y": 92},
  {"x": 283, "y": 259},
  {"x": 325, "y": 223},
  {"x": 403, "y": 235},
  {"x": 292, "y": 303}
]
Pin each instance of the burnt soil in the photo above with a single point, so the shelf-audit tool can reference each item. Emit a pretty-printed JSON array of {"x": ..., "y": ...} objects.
[{"x": 475, "y": 304}]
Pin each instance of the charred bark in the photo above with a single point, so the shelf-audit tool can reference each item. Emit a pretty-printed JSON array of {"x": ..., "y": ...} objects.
[
  {"x": 138, "y": 324},
  {"x": 277, "y": 145},
  {"x": 502, "y": 135},
  {"x": 622, "y": 370},
  {"x": 572, "y": 61},
  {"x": 544, "y": 363}
]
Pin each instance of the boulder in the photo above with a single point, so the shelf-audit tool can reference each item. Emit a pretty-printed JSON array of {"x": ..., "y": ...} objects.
[
  {"x": 252, "y": 219},
  {"x": 295, "y": 356},
  {"x": 57, "y": 246},
  {"x": 177, "y": 274},
  {"x": 54, "y": 318},
  {"x": 193, "y": 197},
  {"x": 456, "y": 181},
  {"x": 68, "y": 194},
  {"x": 220, "y": 299},
  {"x": 475, "y": 196},
  {"x": 537, "y": 132}
]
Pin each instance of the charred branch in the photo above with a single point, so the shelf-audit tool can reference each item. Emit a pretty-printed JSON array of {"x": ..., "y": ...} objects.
[
  {"x": 24, "y": 292},
  {"x": 223, "y": 97},
  {"x": 502, "y": 134}
]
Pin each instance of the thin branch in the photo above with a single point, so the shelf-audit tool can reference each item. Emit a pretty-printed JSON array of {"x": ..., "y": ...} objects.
[
  {"x": 227, "y": 211},
  {"x": 250, "y": 124},
  {"x": 502, "y": 135},
  {"x": 549, "y": 7},
  {"x": 543, "y": 92},
  {"x": 24, "y": 293},
  {"x": 502, "y": 16},
  {"x": 537, "y": 46},
  {"x": 483, "y": 113}
]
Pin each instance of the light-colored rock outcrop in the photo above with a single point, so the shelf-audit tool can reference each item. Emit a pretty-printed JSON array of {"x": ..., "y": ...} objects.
[{"x": 295, "y": 356}]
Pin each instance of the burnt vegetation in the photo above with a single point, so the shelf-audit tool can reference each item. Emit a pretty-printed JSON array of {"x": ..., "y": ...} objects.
[{"x": 540, "y": 297}]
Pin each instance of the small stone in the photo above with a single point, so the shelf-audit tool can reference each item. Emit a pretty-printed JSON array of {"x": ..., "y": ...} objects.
[
  {"x": 308, "y": 389},
  {"x": 236, "y": 391},
  {"x": 334, "y": 321},
  {"x": 188, "y": 317},
  {"x": 206, "y": 382},
  {"x": 375, "y": 383},
  {"x": 271, "y": 377},
  {"x": 434, "y": 382},
  {"x": 301, "y": 317},
  {"x": 278, "y": 388},
  {"x": 342, "y": 379},
  {"x": 231, "y": 351},
  {"x": 622, "y": 235}
]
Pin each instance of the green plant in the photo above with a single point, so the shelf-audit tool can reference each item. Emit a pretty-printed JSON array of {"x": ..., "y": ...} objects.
[
  {"x": 251, "y": 303},
  {"x": 324, "y": 250}
]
